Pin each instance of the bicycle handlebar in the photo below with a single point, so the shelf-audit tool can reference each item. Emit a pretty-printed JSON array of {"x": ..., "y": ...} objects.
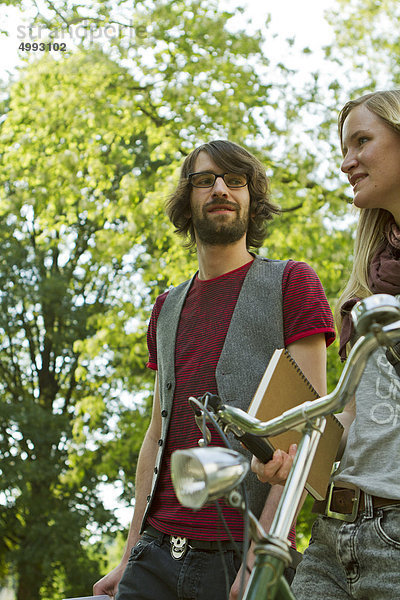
[{"x": 366, "y": 315}]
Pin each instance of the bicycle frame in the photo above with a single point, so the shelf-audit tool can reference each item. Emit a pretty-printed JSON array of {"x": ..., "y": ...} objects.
[{"x": 377, "y": 319}]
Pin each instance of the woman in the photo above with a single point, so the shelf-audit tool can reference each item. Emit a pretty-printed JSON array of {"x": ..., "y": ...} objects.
[{"x": 356, "y": 553}]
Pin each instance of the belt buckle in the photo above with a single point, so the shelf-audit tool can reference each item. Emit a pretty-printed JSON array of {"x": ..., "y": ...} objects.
[
  {"x": 348, "y": 517},
  {"x": 179, "y": 545}
]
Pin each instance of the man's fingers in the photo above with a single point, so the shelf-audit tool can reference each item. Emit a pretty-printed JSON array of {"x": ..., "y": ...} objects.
[
  {"x": 277, "y": 469},
  {"x": 265, "y": 472}
]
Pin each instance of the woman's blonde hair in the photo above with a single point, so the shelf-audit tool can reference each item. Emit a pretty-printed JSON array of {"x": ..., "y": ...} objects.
[{"x": 372, "y": 221}]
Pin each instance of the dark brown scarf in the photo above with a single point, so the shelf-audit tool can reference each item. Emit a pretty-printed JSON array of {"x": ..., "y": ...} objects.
[{"x": 384, "y": 278}]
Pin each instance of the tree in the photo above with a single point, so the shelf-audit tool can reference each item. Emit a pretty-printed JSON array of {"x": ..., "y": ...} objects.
[
  {"x": 58, "y": 270},
  {"x": 366, "y": 43}
]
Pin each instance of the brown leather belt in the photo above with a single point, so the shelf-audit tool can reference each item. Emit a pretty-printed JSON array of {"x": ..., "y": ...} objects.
[{"x": 347, "y": 503}]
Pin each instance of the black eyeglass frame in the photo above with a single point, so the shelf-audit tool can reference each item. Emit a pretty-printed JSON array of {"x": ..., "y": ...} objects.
[{"x": 215, "y": 175}]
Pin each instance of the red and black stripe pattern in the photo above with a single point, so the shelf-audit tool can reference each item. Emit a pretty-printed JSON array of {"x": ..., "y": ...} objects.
[{"x": 202, "y": 329}]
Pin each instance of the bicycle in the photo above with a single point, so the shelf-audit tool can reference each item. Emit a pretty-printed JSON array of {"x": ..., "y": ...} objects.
[{"x": 204, "y": 474}]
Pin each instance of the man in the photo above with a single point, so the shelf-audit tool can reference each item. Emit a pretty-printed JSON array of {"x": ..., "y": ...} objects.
[{"x": 214, "y": 333}]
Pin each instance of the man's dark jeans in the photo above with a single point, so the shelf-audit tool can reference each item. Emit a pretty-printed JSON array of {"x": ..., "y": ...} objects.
[{"x": 152, "y": 573}]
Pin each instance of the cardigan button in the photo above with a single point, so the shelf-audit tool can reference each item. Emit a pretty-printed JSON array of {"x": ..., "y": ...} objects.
[
  {"x": 148, "y": 498},
  {"x": 169, "y": 385},
  {"x": 155, "y": 470},
  {"x": 164, "y": 413},
  {"x": 160, "y": 442}
]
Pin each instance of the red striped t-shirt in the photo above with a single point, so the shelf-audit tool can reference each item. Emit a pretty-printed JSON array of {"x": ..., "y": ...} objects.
[{"x": 202, "y": 329}]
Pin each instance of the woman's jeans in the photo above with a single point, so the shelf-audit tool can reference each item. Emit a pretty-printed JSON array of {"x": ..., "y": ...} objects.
[{"x": 359, "y": 560}]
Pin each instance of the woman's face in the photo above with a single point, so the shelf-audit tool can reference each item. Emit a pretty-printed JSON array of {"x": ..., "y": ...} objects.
[{"x": 371, "y": 151}]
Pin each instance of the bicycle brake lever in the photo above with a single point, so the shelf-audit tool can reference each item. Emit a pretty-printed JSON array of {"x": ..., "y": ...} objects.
[
  {"x": 255, "y": 444},
  {"x": 200, "y": 419}
]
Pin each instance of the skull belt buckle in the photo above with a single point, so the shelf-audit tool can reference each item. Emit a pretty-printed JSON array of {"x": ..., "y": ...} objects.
[{"x": 179, "y": 546}]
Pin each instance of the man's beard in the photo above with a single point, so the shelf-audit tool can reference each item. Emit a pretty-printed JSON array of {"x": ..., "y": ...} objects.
[{"x": 216, "y": 231}]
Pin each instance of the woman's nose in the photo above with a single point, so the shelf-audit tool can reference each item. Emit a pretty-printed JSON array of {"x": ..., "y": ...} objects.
[{"x": 349, "y": 161}]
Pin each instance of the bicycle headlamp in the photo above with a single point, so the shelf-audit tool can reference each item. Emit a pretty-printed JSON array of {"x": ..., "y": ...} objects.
[{"x": 201, "y": 475}]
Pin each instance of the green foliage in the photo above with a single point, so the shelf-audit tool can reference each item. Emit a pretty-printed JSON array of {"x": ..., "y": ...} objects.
[
  {"x": 366, "y": 43},
  {"x": 304, "y": 524},
  {"x": 57, "y": 273}
]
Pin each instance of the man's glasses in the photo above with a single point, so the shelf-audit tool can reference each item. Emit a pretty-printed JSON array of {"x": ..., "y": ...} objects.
[{"x": 205, "y": 179}]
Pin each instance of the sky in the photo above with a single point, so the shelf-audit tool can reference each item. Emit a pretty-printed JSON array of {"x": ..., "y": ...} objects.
[{"x": 304, "y": 21}]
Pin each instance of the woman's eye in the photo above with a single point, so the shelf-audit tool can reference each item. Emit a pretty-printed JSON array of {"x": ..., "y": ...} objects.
[{"x": 362, "y": 140}]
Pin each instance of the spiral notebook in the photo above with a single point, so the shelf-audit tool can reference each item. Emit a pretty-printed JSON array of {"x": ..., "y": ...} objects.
[{"x": 282, "y": 387}]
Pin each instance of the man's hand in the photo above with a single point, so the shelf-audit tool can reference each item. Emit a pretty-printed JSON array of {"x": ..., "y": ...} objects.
[
  {"x": 276, "y": 470},
  {"x": 109, "y": 583}
]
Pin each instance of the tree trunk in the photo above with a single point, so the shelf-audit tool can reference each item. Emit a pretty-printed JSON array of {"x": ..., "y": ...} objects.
[{"x": 30, "y": 579}]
